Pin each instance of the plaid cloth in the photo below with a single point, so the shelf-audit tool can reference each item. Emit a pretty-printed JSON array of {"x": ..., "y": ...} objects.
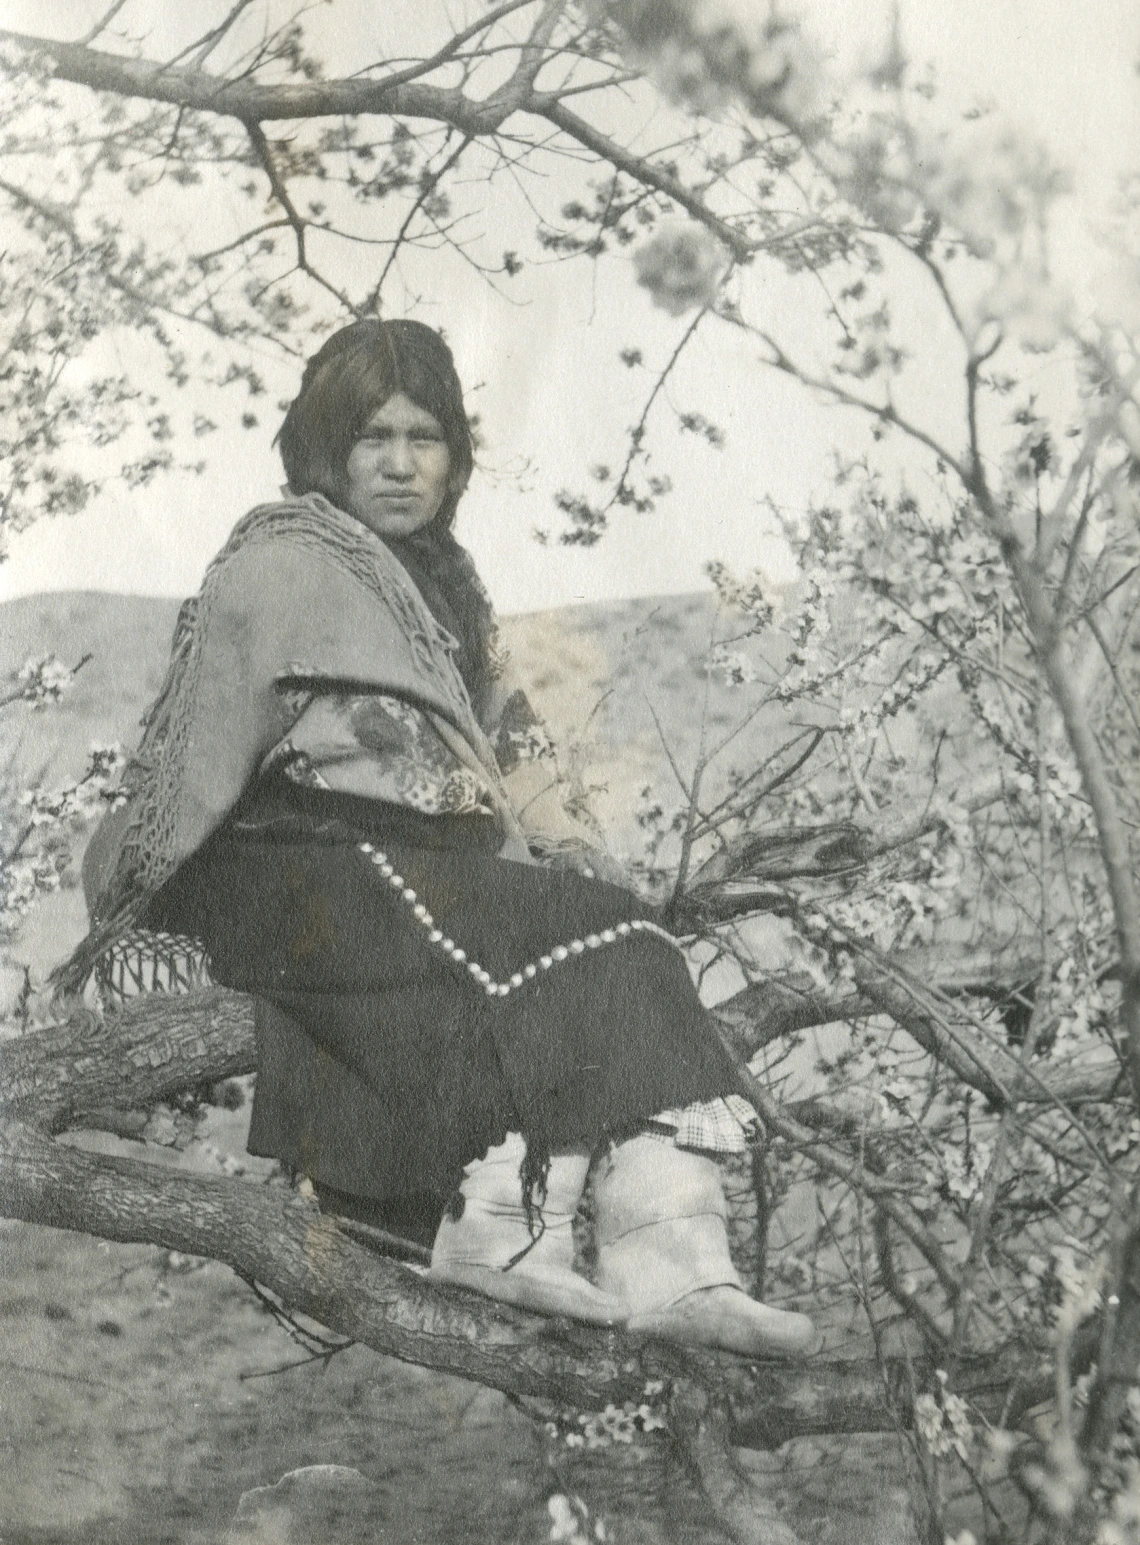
[{"x": 727, "y": 1125}]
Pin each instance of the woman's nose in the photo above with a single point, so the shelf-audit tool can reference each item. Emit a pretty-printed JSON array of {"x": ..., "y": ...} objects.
[{"x": 398, "y": 459}]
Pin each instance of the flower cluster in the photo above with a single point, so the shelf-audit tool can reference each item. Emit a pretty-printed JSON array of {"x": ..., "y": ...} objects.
[
  {"x": 80, "y": 801},
  {"x": 981, "y": 184},
  {"x": 23, "y": 880},
  {"x": 705, "y": 54},
  {"x": 942, "y": 1421},
  {"x": 44, "y": 680},
  {"x": 682, "y": 267},
  {"x": 616, "y": 1424},
  {"x": 38, "y": 854},
  {"x": 733, "y": 666},
  {"x": 570, "y": 1522},
  {"x": 741, "y": 595}
]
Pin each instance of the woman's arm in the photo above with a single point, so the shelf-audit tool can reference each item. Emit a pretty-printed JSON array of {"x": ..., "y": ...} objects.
[{"x": 558, "y": 831}]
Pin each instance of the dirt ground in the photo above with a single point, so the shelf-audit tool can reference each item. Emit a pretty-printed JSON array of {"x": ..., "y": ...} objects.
[{"x": 142, "y": 1394}]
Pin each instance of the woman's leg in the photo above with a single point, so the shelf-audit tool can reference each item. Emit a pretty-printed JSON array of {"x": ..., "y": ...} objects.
[
  {"x": 489, "y": 1246},
  {"x": 662, "y": 1248}
]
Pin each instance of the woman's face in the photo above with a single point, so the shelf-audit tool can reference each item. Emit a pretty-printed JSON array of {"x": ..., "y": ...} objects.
[{"x": 398, "y": 470}]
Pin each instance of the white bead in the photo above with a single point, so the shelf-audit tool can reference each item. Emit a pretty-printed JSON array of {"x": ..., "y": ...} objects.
[
  {"x": 384, "y": 866},
  {"x": 592, "y": 941},
  {"x": 517, "y": 979},
  {"x": 424, "y": 916},
  {"x": 458, "y": 954},
  {"x": 503, "y": 989},
  {"x": 530, "y": 971},
  {"x": 435, "y": 936},
  {"x": 485, "y": 977},
  {"x": 492, "y": 989},
  {"x": 546, "y": 961},
  {"x": 408, "y": 893},
  {"x": 623, "y": 929},
  {"x": 447, "y": 946},
  {"x": 560, "y": 952},
  {"x": 475, "y": 968},
  {"x": 396, "y": 881},
  {"x": 577, "y": 946},
  {"x": 366, "y": 847},
  {"x": 607, "y": 936},
  {"x": 638, "y": 923}
]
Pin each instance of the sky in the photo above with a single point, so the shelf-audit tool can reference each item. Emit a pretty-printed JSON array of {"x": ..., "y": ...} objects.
[{"x": 540, "y": 371}]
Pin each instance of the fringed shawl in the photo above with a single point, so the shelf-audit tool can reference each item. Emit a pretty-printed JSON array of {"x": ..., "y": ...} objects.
[{"x": 301, "y": 592}]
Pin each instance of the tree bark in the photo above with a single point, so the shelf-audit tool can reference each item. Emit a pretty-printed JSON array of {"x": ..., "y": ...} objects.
[
  {"x": 156, "y": 1046},
  {"x": 252, "y": 101},
  {"x": 287, "y": 1245}
]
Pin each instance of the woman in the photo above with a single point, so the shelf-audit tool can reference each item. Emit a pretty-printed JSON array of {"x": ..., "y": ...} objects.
[{"x": 341, "y": 794}]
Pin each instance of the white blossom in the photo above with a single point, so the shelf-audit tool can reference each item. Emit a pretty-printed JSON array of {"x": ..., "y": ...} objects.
[{"x": 681, "y": 267}]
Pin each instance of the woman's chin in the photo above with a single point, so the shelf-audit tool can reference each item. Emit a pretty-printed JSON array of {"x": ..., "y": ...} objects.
[{"x": 389, "y": 522}]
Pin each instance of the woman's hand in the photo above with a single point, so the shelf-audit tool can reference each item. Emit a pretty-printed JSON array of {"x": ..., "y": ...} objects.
[{"x": 591, "y": 862}]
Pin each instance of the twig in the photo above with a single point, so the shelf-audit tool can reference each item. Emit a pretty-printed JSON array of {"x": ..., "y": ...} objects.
[
  {"x": 263, "y": 153},
  {"x": 1125, "y": 696},
  {"x": 637, "y": 433},
  {"x": 105, "y": 21},
  {"x": 835, "y": 1163},
  {"x": 429, "y": 183}
]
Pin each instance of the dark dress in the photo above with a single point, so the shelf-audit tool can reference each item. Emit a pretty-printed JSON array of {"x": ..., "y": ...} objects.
[{"x": 383, "y": 1066}]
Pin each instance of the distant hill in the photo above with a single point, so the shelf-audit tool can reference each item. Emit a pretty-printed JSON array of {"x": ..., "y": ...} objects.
[{"x": 599, "y": 673}]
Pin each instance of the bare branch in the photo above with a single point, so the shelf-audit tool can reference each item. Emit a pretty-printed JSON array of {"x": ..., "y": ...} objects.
[
  {"x": 261, "y": 149},
  {"x": 886, "y": 413},
  {"x": 102, "y": 24},
  {"x": 453, "y": 45},
  {"x": 429, "y": 183},
  {"x": 550, "y": 107},
  {"x": 211, "y": 39},
  {"x": 254, "y": 102},
  {"x": 1102, "y": 425}
]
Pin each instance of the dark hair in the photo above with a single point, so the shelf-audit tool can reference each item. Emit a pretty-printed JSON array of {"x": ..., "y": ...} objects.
[{"x": 347, "y": 380}]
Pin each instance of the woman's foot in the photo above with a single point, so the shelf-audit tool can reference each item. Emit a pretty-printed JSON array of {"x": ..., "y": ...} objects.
[
  {"x": 726, "y": 1317},
  {"x": 489, "y": 1247},
  {"x": 659, "y": 1220}
]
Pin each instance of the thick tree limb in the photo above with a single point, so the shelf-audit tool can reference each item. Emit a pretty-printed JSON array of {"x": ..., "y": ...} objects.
[
  {"x": 399, "y": 96},
  {"x": 78, "y": 1072},
  {"x": 765, "y": 1011},
  {"x": 571, "y": 123},
  {"x": 155, "y": 1047},
  {"x": 705, "y": 1435},
  {"x": 287, "y": 1245},
  {"x": 256, "y": 102}
]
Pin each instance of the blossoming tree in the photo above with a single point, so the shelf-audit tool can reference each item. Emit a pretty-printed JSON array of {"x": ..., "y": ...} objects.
[{"x": 944, "y": 829}]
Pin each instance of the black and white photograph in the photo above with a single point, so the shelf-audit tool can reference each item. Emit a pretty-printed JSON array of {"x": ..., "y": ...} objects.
[{"x": 570, "y": 772}]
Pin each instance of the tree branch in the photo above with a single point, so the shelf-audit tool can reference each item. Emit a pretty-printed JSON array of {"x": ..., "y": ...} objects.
[
  {"x": 315, "y": 1268},
  {"x": 256, "y": 102},
  {"x": 263, "y": 153},
  {"x": 551, "y": 108}
]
